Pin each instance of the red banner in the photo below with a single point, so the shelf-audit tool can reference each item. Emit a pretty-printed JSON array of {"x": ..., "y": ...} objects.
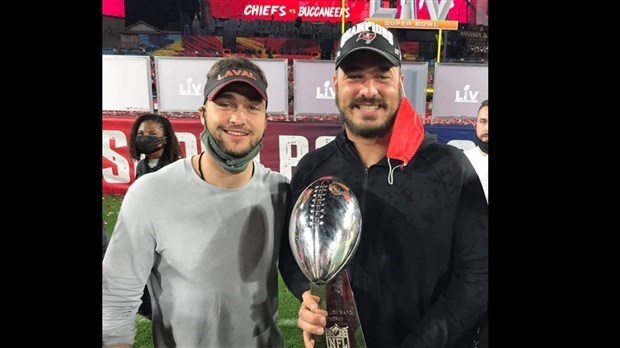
[{"x": 284, "y": 144}]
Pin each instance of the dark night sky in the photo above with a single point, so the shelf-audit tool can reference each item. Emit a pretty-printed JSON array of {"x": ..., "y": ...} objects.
[{"x": 162, "y": 14}]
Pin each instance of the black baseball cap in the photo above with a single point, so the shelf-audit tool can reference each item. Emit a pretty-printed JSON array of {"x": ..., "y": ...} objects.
[
  {"x": 229, "y": 75},
  {"x": 369, "y": 36}
]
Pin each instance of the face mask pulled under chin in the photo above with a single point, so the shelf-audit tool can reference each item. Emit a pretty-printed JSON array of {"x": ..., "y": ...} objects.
[
  {"x": 229, "y": 163},
  {"x": 148, "y": 144}
]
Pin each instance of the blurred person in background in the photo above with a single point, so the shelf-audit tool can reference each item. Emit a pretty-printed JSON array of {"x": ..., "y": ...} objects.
[
  {"x": 479, "y": 155},
  {"x": 153, "y": 137},
  {"x": 479, "y": 158}
]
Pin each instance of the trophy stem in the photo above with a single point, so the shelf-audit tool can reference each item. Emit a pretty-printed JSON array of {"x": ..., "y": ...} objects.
[
  {"x": 343, "y": 327},
  {"x": 321, "y": 292}
]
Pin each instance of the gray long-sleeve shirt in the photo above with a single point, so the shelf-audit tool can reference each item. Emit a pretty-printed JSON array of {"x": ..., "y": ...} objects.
[{"x": 209, "y": 255}]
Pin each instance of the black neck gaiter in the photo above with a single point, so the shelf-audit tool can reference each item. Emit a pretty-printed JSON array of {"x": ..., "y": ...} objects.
[{"x": 482, "y": 145}]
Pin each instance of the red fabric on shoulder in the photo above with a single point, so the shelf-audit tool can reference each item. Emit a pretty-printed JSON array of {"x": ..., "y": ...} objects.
[{"x": 407, "y": 133}]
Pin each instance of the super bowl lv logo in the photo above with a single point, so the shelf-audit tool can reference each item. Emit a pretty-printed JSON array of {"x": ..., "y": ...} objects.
[{"x": 437, "y": 9}]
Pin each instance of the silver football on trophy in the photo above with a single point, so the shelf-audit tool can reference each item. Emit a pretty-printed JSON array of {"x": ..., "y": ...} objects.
[{"x": 325, "y": 228}]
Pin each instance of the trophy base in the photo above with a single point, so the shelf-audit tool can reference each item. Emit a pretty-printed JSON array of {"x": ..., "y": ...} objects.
[{"x": 343, "y": 328}]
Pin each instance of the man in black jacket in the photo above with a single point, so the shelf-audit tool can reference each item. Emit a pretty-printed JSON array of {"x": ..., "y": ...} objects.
[{"x": 420, "y": 272}]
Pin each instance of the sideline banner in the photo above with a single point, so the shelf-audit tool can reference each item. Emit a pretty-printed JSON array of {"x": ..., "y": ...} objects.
[
  {"x": 314, "y": 92},
  {"x": 126, "y": 83},
  {"x": 463, "y": 136},
  {"x": 284, "y": 144},
  {"x": 180, "y": 83},
  {"x": 459, "y": 89}
]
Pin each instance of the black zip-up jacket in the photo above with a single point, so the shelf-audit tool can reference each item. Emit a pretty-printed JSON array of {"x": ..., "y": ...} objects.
[{"x": 420, "y": 272}]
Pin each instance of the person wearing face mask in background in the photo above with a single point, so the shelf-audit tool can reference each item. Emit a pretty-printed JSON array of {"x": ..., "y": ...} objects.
[{"x": 153, "y": 136}]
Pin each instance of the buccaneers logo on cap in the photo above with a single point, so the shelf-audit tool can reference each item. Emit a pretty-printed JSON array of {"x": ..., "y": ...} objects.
[{"x": 367, "y": 35}]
